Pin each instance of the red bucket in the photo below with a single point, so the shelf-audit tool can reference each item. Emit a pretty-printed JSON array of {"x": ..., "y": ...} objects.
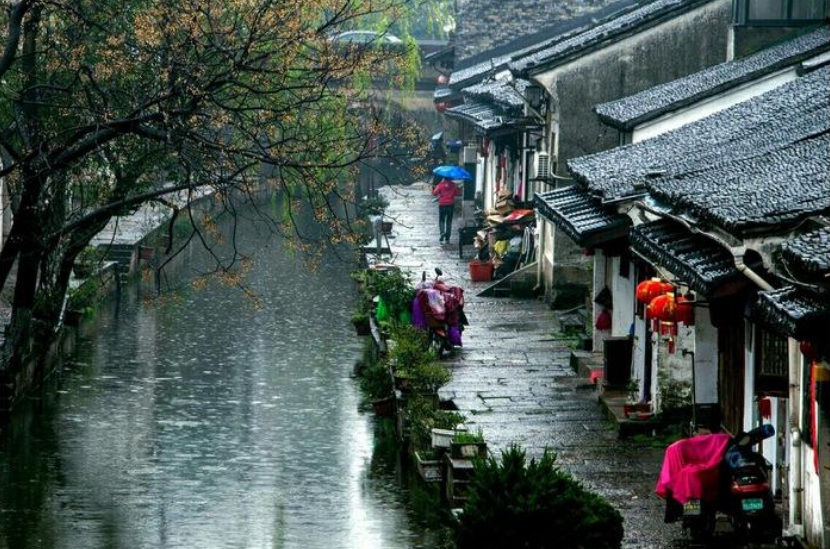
[{"x": 481, "y": 272}]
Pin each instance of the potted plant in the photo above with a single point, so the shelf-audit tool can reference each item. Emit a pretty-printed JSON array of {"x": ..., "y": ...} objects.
[
  {"x": 633, "y": 406},
  {"x": 373, "y": 206},
  {"x": 360, "y": 321},
  {"x": 442, "y": 438},
  {"x": 87, "y": 262},
  {"x": 468, "y": 446}
]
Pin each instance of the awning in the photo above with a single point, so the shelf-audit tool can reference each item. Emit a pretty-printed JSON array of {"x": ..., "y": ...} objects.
[
  {"x": 580, "y": 217},
  {"x": 696, "y": 260},
  {"x": 793, "y": 312}
]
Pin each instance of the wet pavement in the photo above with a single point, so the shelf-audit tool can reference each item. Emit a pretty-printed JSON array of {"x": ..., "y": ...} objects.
[{"x": 513, "y": 381}]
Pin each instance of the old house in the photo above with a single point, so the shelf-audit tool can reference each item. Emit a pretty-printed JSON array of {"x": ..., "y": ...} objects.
[{"x": 716, "y": 205}]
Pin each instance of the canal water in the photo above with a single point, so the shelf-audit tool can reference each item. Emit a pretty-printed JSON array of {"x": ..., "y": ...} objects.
[{"x": 209, "y": 421}]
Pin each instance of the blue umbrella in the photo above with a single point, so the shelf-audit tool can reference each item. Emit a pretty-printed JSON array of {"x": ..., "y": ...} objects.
[{"x": 452, "y": 172}]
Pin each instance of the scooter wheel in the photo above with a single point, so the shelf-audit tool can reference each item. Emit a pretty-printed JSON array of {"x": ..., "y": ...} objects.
[{"x": 437, "y": 345}]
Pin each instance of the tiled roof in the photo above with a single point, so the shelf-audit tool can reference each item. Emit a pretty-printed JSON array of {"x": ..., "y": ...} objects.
[
  {"x": 442, "y": 93},
  {"x": 499, "y": 91},
  {"x": 761, "y": 162},
  {"x": 586, "y": 222},
  {"x": 498, "y": 58},
  {"x": 793, "y": 312},
  {"x": 756, "y": 194},
  {"x": 809, "y": 253},
  {"x": 630, "y": 111},
  {"x": 698, "y": 261},
  {"x": 480, "y": 114},
  {"x": 610, "y": 29}
]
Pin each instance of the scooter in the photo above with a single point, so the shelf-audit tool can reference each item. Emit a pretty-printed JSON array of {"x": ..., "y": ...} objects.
[
  {"x": 443, "y": 306},
  {"x": 742, "y": 489}
]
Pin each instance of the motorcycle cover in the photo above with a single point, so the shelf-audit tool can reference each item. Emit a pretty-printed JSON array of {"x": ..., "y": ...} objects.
[{"x": 691, "y": 468}]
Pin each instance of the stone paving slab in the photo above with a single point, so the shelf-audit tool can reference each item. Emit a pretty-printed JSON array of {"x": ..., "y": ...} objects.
[{"x": 513, "y": 381}]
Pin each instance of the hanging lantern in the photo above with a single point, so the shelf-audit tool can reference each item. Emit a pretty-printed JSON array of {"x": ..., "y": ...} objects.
[
  {"x": 685, "y": 312},
  {"x": 443, "y": 80},
  {"x": 664, "y": 307},
  {"x": 647, "y": 290},
  {"x": 808, "y": 349},
  {"x": 668, "y": 328},
  {"x": 441, "y": 106}
]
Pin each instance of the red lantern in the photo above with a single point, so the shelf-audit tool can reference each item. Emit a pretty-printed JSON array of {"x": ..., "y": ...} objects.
[
  {"x": 685, "y": 312},
  {"x": 808, "y": 349},
  {"x": 647, "y": 290},
  {"x": 664, "y": 307},
  {"x": 668, "y": 328},
  {"x": 442, "y": 106}
]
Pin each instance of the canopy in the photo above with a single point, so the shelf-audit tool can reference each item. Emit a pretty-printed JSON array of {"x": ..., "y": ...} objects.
[{"x": 452, "y": 172}]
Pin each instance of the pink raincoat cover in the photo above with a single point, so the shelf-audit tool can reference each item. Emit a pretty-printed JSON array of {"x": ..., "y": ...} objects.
[{"x": 691, "y": 468}]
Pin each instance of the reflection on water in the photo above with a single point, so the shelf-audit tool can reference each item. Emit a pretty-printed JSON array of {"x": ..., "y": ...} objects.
[{"x": 207, "y": 422}]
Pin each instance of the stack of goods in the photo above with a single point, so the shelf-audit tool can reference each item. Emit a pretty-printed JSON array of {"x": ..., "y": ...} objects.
[{"x": 503, "y": 240}]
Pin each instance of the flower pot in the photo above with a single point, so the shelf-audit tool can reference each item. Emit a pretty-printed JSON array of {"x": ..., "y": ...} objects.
[
  {"x": 384, "y": 407},
  {"x": 403, "y": 383},
  {"x": 72, "y": 317},
  {"x": 428, "y": 467},
  {"x": 146, "y": 253},
  {"x": 442, "y": 438},
  {"x": 361, "y": 327},
  {"x": 468, "y": 450}
]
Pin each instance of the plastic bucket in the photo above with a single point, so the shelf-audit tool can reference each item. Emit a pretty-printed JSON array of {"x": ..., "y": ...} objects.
[{"x": 481, "y": 272}]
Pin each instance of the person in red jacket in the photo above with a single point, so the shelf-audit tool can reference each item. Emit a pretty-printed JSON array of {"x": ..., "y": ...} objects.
[{"x": 446, "y": 191}]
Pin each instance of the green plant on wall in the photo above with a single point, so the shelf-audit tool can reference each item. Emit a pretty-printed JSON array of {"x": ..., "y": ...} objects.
[
  {"x": 424, "y": 417},
  {"x": 83, "y": 298},
  {"x": 674, "y": 393}
]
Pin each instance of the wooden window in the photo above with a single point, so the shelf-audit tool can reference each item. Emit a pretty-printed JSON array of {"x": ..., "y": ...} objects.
[{"x": 771, "y": 364}]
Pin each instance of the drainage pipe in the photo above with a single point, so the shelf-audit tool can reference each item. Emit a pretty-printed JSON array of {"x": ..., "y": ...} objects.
[{"x": 738, "y": 253}]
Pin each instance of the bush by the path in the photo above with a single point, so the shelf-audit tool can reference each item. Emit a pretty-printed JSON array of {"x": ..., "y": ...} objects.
[{"x": 519, "y": 504}]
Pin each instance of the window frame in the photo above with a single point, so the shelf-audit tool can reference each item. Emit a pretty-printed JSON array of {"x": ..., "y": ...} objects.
[{"x": 741, "y": 16}]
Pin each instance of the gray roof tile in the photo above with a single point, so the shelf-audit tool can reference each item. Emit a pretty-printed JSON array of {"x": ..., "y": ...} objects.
[
  {"x": 499, "y": 92},
  {"x": 610, "y": 29},
  {"x": 809, "y": 254},
  {"x": 583, "y": 219},
  {"x": 698, "y": 261},
  {"x": 758, "y": 164},
  {"x": 482, "y": 115},
  {"x": 630, "y": 111},
  {"x": 498, "y": 58},
  {"x": 793, "y": 312}
]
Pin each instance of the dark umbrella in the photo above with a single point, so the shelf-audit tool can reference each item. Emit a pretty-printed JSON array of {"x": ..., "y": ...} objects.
[{"x": 452, "y": 172}]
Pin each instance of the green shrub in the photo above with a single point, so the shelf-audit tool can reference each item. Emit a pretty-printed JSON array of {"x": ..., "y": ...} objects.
[
  {"x": 423, "y": 417},
  {"x": 395, "y": 290},
  {"x": 535, "y": 505},
  {"x": 411, "y": 348},
  {"x": 375, "y": 380}
]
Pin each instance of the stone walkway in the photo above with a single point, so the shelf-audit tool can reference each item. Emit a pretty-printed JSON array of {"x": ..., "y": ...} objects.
[{"x": 513, "y": 381}]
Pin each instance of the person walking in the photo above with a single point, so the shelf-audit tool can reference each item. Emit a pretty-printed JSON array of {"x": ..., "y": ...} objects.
[{"x": 446, "y": 191}]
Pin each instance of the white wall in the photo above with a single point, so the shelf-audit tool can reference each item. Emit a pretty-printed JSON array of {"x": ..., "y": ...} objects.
[
  {"x": 706, "y": 357},
  {"x": 623, "y": 290},
  {"x": 639, "y": 353},
  {"x": 600, "y": 264},
  {"x": 702, "y": 109}
]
